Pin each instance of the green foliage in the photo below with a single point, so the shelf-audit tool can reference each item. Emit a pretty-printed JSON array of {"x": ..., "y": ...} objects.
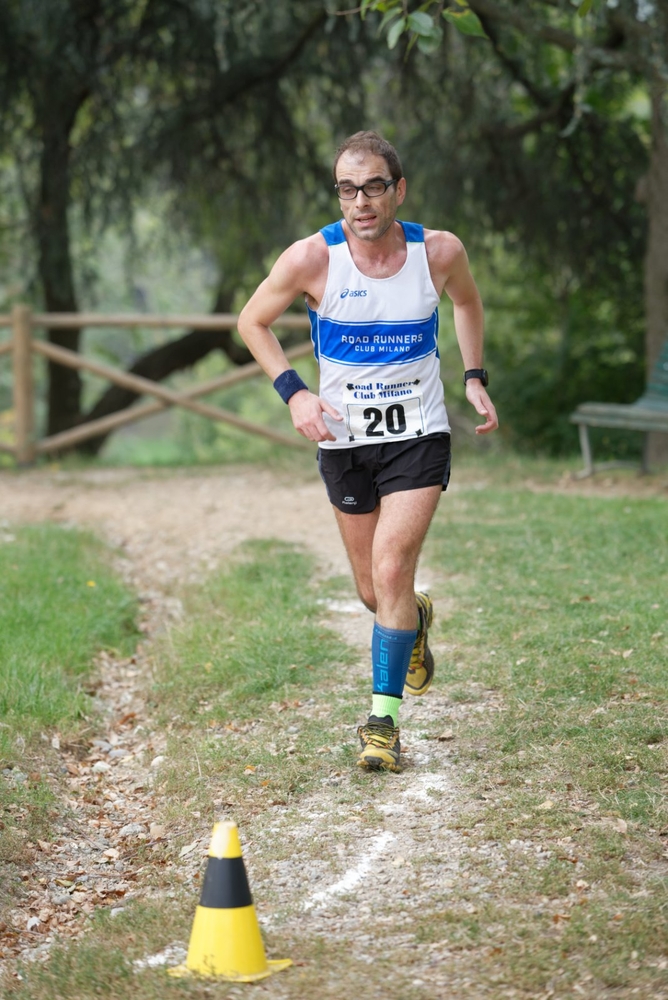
[
  {"x": 504, "y": 149},
  {"x": 465, "y": 21},
  {"x": 218, "y": 119},
  {"x": 59, "y": 605},
  {"x": 219, "y": 109},
  {"x": 552, "y": 344}
]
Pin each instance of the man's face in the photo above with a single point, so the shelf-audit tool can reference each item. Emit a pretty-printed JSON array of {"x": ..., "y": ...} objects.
[{"x": 368, "y": 218}]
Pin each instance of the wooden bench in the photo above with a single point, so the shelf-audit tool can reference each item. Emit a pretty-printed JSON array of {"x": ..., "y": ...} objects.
[{"x": 649, "y": 413}]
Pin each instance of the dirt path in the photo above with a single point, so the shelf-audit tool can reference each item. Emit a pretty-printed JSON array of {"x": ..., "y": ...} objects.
[{"x": 172, "y": 528}]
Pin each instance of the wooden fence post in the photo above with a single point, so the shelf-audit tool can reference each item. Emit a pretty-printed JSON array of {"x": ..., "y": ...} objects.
[{"x": 24, "y": 413}]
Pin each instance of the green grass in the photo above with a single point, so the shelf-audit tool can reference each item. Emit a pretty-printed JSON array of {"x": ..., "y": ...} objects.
[
  {"x": 60, "y": 603},
  {"x": 561, "y": 607},
  {"x": 247, "y": 659},
  {"x": 251, "y": 636}
]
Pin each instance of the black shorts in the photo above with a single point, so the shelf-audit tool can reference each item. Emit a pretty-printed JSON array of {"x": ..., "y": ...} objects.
[{"x": 355, "y": 478}]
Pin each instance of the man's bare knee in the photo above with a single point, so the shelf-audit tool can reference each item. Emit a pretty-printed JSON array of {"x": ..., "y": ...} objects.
[
  {"x": 392, "y": 574},
  {"x": 368, "y": 598}
]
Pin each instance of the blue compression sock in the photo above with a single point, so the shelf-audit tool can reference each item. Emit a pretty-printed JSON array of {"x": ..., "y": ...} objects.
[{"x": 391, "y": 655}]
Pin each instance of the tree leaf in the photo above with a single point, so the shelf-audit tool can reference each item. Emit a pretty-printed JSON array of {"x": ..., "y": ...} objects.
[
  {"x": 465, "y": 21},
  {"x": 430, "y": 43},
  {"x": 585, "y": 7},
  {"x": 395, "y": 32},
  {"x": 420, "y": 23},
  {"x": 388, "y": 17}
]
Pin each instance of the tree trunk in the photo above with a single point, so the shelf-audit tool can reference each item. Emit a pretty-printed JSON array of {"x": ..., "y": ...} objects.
[
  {"x": 656, "y": 259},
  {"x": 55, "y": 268}
]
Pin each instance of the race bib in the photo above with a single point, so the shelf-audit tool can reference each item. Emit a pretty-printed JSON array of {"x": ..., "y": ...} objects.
[{"x": 381, "y": 411}]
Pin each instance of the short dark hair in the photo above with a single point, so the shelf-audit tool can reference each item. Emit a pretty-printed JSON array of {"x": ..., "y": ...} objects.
[{"x": 370, "y": 142}]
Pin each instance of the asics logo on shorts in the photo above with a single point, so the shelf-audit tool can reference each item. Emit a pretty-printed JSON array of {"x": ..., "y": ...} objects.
[{"x": 354, "y": 293}]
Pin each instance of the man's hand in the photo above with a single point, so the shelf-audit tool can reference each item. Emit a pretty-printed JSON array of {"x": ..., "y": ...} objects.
[
  {"x": 480, "y": 401},
  {"x": 306, "y": 410}
]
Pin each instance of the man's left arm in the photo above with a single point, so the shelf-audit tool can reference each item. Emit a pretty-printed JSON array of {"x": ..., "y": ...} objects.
[{"x": 469, "y": 327}]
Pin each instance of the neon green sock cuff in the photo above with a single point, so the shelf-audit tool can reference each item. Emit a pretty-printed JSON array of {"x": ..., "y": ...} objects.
[{"x": 385, "y": 704}]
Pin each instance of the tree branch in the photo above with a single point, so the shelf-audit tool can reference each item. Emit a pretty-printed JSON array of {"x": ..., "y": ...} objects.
[
  {"x": 511, "y": 132},
  {"x": 598, "y": 56}
]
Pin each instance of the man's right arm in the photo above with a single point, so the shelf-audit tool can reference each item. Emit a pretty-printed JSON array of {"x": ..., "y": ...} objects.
[{"x": 301, "y": 269}]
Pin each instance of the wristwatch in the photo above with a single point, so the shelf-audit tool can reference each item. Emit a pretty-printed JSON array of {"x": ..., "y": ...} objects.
[{"x": 480, "y": 373}]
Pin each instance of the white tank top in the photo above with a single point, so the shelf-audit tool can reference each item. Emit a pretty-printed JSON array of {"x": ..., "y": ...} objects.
[{"x": 376, "y": 343}]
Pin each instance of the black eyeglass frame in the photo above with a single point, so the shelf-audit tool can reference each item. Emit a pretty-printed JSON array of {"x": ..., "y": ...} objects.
[{"x": 361, "y": 187}]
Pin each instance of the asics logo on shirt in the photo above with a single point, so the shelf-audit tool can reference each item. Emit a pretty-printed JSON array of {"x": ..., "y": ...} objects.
[{"x": 354, "y": 293}]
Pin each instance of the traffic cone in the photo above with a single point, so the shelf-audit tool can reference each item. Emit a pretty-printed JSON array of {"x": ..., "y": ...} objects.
[{"x": 225, "y": 939}]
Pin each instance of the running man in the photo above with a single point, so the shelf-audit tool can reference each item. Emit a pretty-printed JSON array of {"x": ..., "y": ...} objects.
[{"x": 372, "y": 287}]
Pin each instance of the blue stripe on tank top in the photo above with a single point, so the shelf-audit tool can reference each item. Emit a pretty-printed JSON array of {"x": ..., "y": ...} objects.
[
  {"x": 377, "y": 343},
  {"x": 315, "y": 339},
  {"x": 413, "y": 232},
  {"x": 333, "y": 234}
]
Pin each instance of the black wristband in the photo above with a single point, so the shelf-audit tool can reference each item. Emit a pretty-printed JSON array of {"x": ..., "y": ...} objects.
[
  {"x": 480, "y": 373},
  {"x": 288, "y": 383}
]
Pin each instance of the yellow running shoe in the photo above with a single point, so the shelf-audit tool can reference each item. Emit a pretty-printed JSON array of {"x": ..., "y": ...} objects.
[
  {"x": 421, "y": 669},
  {"x": 381, "y": 748}
]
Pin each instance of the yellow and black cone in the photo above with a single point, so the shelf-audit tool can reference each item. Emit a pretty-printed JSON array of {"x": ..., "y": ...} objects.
[{"x": 225, "y": 940}]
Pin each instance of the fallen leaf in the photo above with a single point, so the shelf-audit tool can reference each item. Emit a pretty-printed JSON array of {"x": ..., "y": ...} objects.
[
  {"x": 547, "y": 804},
  {"x": 188, "y": 849},
  {"x": 250, "y": 769},
  {"x": 156, "y": 831},
  {"x": 447, "y": 734}
]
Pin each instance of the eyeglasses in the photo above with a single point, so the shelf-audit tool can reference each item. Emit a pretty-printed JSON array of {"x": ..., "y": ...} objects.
[{"x": 372, "y": 189}]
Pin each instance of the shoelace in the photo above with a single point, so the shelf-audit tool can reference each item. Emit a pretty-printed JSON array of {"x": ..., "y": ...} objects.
[{"x": 378, "y": 734}]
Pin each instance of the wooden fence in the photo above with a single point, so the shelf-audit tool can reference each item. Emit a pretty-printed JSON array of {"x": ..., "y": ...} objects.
[{"x": 23, "y": 346}]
